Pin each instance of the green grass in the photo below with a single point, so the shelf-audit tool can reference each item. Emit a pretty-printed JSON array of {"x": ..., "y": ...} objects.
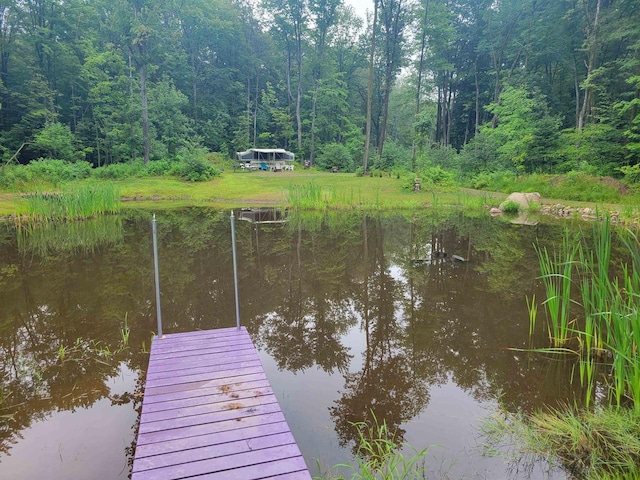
[
  {"x": 572, "y": 186},
  {"x": 261, "y": 188},
  {"x": 380, "y": 457},
  {"x": 341, "y": 190},
  {"x": 605, "y": 318},
  {"x": 599, "y": 444},
  {"x": 85, "y": 201}
]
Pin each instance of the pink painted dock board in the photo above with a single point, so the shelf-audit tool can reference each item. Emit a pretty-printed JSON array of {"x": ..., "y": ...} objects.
[{"x": 209, "y": 412}]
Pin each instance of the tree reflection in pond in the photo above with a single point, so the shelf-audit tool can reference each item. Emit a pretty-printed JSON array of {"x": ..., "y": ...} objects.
[{"x": 335, "y": 295}]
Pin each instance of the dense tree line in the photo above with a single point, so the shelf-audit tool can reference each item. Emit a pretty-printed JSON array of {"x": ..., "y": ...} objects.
[{"x": 526, "y": 85}]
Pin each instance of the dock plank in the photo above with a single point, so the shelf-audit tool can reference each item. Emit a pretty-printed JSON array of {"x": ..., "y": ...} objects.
[{"x": 209, "y": 411}]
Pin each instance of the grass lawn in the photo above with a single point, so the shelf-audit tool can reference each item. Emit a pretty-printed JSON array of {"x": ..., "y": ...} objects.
[
  {"x": 308, "y": 189},
  {"x": 241, "y": 189}
]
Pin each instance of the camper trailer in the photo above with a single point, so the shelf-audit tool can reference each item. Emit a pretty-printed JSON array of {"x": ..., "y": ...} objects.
[{"x": 273, "y": 159}]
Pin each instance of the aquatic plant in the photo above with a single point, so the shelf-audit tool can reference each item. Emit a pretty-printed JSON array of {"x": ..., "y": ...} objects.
[
  {"x": 607, "y": 315},
  {"x": 556, "y": 270},
  {"x": 312, "y": 196},
  {"x": 604, "y": 443},
  {"x": 83, "y": 202},
  {"x": 380, "y": 456}
]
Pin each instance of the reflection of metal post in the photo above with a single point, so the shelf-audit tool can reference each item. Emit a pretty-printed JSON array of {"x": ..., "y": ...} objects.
[
  {"x": 156, "y": 274},
  {"x": 235, "y": 266}
]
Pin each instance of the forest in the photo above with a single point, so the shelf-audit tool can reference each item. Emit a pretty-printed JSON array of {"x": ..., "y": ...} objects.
[{"x": 473, "y": 86}]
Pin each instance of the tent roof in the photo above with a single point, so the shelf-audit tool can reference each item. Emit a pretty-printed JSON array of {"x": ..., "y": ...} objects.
[{"x": 266, "y": 150}]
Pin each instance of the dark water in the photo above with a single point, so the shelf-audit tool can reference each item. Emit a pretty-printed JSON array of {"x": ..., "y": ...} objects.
[{"x": 346, "y": 324}]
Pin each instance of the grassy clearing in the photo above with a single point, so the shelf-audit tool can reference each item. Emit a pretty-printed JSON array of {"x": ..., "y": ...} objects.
[{"x": 235, "y": 189}]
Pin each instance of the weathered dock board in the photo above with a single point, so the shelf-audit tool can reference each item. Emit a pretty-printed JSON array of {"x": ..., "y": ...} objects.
[{"x": 209, "y": 412}]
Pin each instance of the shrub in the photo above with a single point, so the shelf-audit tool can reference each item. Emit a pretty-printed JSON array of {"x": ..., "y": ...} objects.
[
  {"x": 15, "y": 176},
  {"x": 194, "y": 165},
  {"x": 57, "y": 141},
  {"x": 335, "y": 155},
  {"x": 437, "y": 176},
  {"x": 393, "y": 156},
  {"x": 119, "y": 170},
  {"x": 159, "y": 167},
  {"x": 511, "y": 207},
  {"x": 631, "y": 173}
]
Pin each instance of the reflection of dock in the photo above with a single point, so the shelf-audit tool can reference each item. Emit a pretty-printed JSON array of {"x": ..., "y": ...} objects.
[
  {"x": 209, "y": 410},
  {"x": 263, "y": 215}
]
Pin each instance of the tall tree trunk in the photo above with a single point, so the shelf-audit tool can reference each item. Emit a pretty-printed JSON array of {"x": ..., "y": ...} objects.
[
  {"x": 299, "y": 94},
  {"x": 587, "y": 100},
  {"x": 423, "y": 44},
  {"x": 367, "y": 140},
  {"x": 477, "y": 84},
  {"x": 255, "y": 115},
  {"x": 145, "y": 110},
  {"x": 312, "y": 146},
  {"x": 392, "y": 43},
  {"x": 576, "y": 86}
]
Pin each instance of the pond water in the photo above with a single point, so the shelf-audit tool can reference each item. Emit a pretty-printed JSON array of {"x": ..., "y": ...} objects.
[{"x": 348, "y": 313}]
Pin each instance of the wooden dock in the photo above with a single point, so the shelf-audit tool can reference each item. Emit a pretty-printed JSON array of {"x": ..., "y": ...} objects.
[{"x": 209, "y": 412}]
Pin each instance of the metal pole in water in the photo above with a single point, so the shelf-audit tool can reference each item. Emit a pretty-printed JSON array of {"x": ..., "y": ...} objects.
[
  {"x": 156, "y": 274},
  {"x": 235, "y": 267}
]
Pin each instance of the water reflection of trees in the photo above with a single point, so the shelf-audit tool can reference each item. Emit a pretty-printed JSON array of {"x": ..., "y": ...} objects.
[
  {"x": 61, "y": 310},
  {"x": 386, "y": 387},
  {"x": 303, "y": 286}
]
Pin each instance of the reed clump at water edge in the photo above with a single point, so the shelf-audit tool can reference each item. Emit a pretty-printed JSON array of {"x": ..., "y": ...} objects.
[
  {"x": 600, "y": 324},
  {"x": 380, "y": 456},
  {"x": 593, "y": 313},
  {"x": 83, "y": 202}
]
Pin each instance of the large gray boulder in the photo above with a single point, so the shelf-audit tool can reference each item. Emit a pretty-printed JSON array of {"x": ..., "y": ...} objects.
[{"x": 523, "y": 199}]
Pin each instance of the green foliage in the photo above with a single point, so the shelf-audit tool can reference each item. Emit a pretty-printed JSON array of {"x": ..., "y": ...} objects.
[
  {"x": 572, "y": 186},
  {"x": 120, "y": 170},
  {"x": 480, "y": 157},
  {"x": 393, "y": 156},
  {"x": 75, "y": 204},
  {"x": 526, "y": 133},
  {"x": 194, "y": 165},
  {"x": 435, "y": 177},
  {"x": 43, "y": 172},
  {"x": 631, "y": 173},
  {"x": 445, "y": 157},
  {"x": 335, "y": 155},
  {"x": 380, "y": 456},
  {"x": 594, "y": 444},
  {"x": 511, "y": 207},
  {"x": 57, "y": 141},
  {"x": 596, "y": 150},
  {"x": 58, "y": 171}
]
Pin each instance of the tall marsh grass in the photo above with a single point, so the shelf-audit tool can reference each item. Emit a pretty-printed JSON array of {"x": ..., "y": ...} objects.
[
  {"x": 83, "y": 202},
  {"x": 314, "y": 197},
  {"x": 604, "y": 318}
]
